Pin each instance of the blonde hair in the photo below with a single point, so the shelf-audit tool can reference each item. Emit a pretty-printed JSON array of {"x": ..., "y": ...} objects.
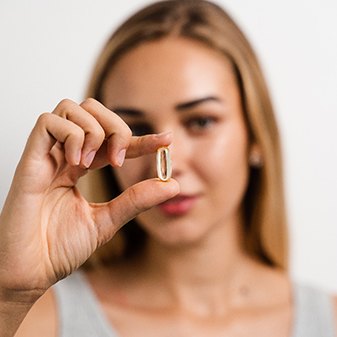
[{"x": 265, "y": 224}]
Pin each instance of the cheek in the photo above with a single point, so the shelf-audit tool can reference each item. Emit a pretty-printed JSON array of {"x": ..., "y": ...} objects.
[
  {"x": 224, "y": 160},
  {"x": 135, "y": 170}
]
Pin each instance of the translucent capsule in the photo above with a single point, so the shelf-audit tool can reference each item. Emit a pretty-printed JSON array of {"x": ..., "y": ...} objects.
[{"x": 164, "y": 168}]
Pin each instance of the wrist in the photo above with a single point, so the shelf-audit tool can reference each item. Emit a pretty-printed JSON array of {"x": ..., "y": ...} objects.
[{"x": 14, "y": 306}]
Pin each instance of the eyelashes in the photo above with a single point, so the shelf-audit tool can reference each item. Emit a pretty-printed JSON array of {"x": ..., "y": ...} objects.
[
  {"x": 195, "y": 125},
  {"x": 201, "y": 123}
]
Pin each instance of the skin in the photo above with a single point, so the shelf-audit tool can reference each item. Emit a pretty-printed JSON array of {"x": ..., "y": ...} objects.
[
  {"x": 210, "y": 147},
  {"x": 200, "y": 280},
  {"x": 48, "y": 229}
]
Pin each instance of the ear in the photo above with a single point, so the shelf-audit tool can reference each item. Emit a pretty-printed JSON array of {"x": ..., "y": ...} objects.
[{"x": 255, "y": 156}]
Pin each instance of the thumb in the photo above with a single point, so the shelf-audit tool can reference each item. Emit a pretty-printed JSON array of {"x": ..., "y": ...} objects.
[{"x": 110, "y": 217}]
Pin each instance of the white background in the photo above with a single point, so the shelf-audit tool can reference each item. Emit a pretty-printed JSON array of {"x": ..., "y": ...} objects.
[{"x": 48, "y": 48}]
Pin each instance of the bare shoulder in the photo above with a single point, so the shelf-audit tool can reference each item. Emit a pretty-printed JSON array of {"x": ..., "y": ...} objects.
[{"x": 41, "y": 320}]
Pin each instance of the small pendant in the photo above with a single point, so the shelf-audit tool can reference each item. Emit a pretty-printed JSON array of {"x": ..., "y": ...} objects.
[{"x": 164, "y": 168}]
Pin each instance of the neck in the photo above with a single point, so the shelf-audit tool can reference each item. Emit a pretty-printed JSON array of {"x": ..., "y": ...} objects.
[{"x": 203, "y": 275}]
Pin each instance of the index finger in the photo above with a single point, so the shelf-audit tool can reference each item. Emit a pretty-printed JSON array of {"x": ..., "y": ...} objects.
[
  {"x": 138, "y": 146},
  {"x": 147, "y": 144}
]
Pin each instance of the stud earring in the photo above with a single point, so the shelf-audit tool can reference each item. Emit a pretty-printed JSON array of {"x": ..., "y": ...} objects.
[{"x": 255, "y": 159}]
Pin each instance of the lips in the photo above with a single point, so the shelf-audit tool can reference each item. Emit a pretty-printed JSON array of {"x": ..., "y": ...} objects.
[{"x": 178, "y": 205}]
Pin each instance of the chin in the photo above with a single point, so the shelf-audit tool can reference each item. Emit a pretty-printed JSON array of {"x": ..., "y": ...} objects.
[{"x": 177, "y": 234}]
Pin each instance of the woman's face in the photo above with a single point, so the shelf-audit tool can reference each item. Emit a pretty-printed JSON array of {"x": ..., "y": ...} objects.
[{"x": 182, "y": 86}]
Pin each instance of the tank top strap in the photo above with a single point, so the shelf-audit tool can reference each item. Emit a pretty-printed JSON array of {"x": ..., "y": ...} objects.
[
  {"x": 314, "y": 315},
  {"x": 79, "y": 313}
]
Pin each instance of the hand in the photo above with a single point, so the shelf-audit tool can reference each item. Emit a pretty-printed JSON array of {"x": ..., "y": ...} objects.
[{"x": 47, "y": 228}]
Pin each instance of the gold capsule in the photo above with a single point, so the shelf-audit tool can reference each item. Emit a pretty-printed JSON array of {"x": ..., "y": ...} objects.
[{"x": 164, "y": 168}]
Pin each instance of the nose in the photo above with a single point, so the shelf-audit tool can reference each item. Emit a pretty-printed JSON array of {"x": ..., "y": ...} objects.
[{"x": 181, "y": 153}]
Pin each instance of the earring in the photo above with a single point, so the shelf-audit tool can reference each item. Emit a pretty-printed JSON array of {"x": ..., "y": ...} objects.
[{"x": 255, "y": 159}]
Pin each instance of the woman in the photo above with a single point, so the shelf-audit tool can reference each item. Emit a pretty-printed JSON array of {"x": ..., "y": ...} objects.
[{"x": 207, "y": 252}]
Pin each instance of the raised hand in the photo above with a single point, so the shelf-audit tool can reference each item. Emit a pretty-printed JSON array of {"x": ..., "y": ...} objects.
[{"x": 47, "y": 228}]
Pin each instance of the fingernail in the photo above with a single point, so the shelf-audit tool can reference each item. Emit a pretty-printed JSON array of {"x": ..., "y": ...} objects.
[
  {"x": 121, "y": 157},
  {"x": 159, "y": 135},
  {"x": 89, "y": 158}
]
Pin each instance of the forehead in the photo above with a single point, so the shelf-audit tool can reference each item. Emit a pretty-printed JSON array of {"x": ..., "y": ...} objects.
[{"x": 172, "y": 69}]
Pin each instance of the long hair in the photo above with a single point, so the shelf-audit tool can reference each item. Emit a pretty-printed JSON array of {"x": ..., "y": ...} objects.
[{"x": 265, "y": 224}]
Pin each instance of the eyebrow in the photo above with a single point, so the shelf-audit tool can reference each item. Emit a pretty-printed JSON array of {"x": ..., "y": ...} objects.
[
  {"x": 179, "y": 107},
  {"x": 195, "y": 102}
]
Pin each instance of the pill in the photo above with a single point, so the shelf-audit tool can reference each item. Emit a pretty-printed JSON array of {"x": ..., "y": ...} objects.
[{"x": 164, "y": 168}]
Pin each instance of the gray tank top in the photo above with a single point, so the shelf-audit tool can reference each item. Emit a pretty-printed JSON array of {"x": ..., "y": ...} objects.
[{"x": 80, "y": 314}]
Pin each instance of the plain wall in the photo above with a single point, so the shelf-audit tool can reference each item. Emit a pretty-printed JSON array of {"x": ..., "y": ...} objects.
[{"x": 48, "y": 49}]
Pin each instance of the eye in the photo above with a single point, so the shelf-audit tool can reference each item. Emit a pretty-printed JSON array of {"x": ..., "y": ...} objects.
[
  {"x": 140, "y": 129},
  {"x": 200, "y": 123}
]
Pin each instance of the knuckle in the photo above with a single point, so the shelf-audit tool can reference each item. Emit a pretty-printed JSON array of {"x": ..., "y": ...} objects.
[
  {"x": 140, "y": 142},
  {"x": 77, "y": 135},
  {"x": 43, "y": 118},
  {"x": 65, "y": 107},
  {"x": 125, "y": 132},
  {"x": 65, "y": 103},
  {"x": 120, "y": 131},
  {"x": 123, "y": 139},
  {"x": 134, "y": 200},
  {"x": 78, "y": 132},
  {"x": 89, "y": 102},
  {"x": 95, "y": 137},
  {"x": 100, "y": 135}
]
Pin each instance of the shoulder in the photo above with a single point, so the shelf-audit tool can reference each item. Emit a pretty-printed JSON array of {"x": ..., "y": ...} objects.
[{"x": 41, "y": 320}]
